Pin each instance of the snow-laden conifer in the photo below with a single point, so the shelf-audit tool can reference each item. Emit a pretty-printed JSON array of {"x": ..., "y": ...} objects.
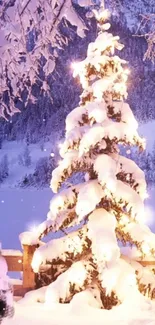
[{"x": 108, "y": 206}]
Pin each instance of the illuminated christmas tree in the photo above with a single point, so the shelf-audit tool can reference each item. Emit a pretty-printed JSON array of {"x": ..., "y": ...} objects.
[{"x": 86, "y": 265}]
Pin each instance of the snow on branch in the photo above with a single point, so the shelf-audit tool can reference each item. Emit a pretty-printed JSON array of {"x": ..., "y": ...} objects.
[
  {"x": 122, "y": 196},
  {"x": 69, "y": 247},
  {"x": 142, "y": 237},
  {"x": 28, "y": 32},
  {"x": 101, "y": 230},
  {"x": 89, "y": 196},
  {"x": 86, "y": 137},
  {"x": 120, "y": 277},
  {"x": 77, "y": 277},
  {"x": 117, "y": 131},
  {"x": 126, "y": 198},
  {"x": 97, "y": 112},
  {"x": 115, "y": 167}
]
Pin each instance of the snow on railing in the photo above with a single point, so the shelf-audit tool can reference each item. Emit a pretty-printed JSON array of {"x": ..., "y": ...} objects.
[{"x": 21, "y": 262}]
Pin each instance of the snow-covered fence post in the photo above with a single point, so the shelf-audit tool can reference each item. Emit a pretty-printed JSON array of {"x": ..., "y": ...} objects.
[{"x": 28, "y": 274}]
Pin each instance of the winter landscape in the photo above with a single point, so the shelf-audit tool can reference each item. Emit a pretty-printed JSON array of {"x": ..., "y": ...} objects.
[{"x": 77, "y": 158}]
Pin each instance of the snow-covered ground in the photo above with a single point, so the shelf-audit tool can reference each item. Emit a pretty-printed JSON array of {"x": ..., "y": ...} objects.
[{"x": 39, "y": 314}]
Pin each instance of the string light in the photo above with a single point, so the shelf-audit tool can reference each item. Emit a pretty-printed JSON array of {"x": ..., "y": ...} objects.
[
  {"x": 33, "y": 228},
  {"x": 75, "y": 67},
  {"x": 101, "y": 14},
  {"x": 146, "y": 196},
  {"x": 127, "y": 71},
  {"x": 60, "y": 145},
  {"x": 145, "y": 248}
]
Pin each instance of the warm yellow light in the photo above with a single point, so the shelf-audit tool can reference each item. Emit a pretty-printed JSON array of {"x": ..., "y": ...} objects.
[
  {"x": 145, "y": 248},
  {"x": 102, "y": 14},
  {"x": 127, "y": 71},
  {"x": 33, "y": 228},
  {"x": 60, "y": 145},
  {"x": 74, "y": 65},
  {"x": 124, "y": 220}
]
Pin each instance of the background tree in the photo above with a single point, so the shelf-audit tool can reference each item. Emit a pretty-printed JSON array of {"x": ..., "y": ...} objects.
[
  {"x": 30, "y": 39},
  {"x": 107, "y": 208},
  {"x": 147, "y": 30},
  {"x": 4, "y": 168},
  {"x": 26, "y": 157}
]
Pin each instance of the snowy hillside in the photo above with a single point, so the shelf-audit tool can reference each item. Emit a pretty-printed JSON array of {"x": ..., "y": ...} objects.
[
  {"x": 21, "y": 160},
  {"x": 18, "y": 169}
]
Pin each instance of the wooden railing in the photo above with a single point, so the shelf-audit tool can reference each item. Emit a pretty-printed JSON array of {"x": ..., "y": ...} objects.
[{"x": 21, "y": 262}]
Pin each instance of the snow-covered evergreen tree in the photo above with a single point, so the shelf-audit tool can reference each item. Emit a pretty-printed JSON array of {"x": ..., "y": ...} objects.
[
  {"x": 108, "y": 207},
  {"x": 26, "y": 157},
  {"x": 4, "y": 168}
]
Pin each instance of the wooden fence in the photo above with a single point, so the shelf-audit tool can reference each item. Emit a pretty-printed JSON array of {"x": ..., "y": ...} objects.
[{"x": 21, "y": 262}]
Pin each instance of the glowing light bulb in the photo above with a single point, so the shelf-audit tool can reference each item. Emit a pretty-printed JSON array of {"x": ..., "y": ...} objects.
[
  {"x": 74, "y": 65},
  {"x": 146, "y": 196},
  {"x": 127, "y": 71},
  {"x": 145, "y": 248},
  {"x": 144, "y": 143},
  {"x": 124, "y": 220},
  {"x": 52, "y": 154},
  {"x": 60, "y": 145},
  {"x": 33, "y": 227},
  {"x": 102, "y": 14}
]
